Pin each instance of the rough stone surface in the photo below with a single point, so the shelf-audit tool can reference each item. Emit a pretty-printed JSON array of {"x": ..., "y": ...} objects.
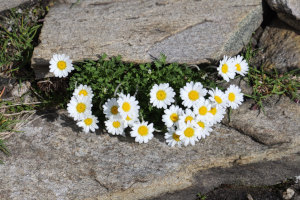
[
  {"x": 289, "y": 20},
  {"x": 255, "y": 175},
  {"x": 21, "y": 89},
  {"x": 8, "y": 4},
  {"x": 185, "y": 31},
  {"x": 278, "y": 124},
  {"x": 287, "y": 10},
  {"x": 52, "y": 159},
  {"x": 291, "y": 7},
  {"x": 288, "y": 194},
  {"x": 280, "y": 48}
]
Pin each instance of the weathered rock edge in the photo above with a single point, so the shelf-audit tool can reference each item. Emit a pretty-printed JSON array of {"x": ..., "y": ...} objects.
[
  {"x": 5, "y": 4},
  {"x": 287, "y": 11},
  {"x": 137, "y": 31},
  {"x": 258, "y": 174},
  {"x": 52, "y": 148},
  {"x": 280, "y": 48},
  {"x": 169, "y": 184}
]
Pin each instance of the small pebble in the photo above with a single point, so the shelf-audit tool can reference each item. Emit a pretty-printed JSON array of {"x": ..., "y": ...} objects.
[
  {"x": 249, "y": 197},
  {"x": 288, "y": 194}
]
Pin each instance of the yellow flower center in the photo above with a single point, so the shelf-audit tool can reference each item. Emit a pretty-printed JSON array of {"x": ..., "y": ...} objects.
[
  {"x": 193, "y": 95},
  {"x": 189, "y": 132},
  {"x": 231, "y": 96},
  {"x": 225, "y": 68},
  {"x": 161, "y": 95},
  {"x": 143, "y": 130},
  {"x": 202, "y": 110},
  {"x": 218, "y": 99},
  {"x": 238, "y": 67},
  {"x": 213, "y": 111},
  {"x": 176, "y": 137},
  {"x": 61, "y": 65},
  {"x": 201, "y": 124},
  {"x": 174, "y": 117},
  {"x": 126, "y": 106},
  {"x": 88, "y": 121},
  {"x": 84, "y": 92},
  {"x": 128, "y": 118},
  {"x": 188, "y": 119},
  {"x": 80, "y": 107},
  {"x": 116, "y": 124},
  {"x": 114, "y": 110}
]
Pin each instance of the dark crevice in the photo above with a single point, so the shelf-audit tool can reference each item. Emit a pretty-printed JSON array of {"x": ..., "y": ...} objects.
[{"x": 268, "y": 15}]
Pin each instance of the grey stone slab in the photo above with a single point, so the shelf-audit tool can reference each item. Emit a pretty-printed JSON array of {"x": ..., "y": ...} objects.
[
  {"x": 291, "y": 7},
  {"x": 288, "y": 11},
  {"x": 280, "y": 48},
  {"x": 185, "y": 31},
  {"x": 279, "y": 122},
  {"x": 258, "y": 175},
  {"x": 52, "y": 159},
  {"x": 8, "y": 4}
]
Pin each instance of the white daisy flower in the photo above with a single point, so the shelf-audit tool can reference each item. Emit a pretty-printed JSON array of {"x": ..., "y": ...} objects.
[
  {"x": 171, "y": 115},
  {"x": 192, "y": 93},
  {"x": 202, "y": 109},
  {"x": 234, "y": 96},
  {"x": 110, "y": 108},
  {"x": 187, "y": 116},
  {"x": 89, "y": 123},
  {"x": 241, "y": 65},
  {"x": 84, "y": 90},
  {"x": 189, "y": 133},
  {"x": 218, "y": 113},
  {"x": 217, "y": 96},
  {"x": 115, "y": 126},
  {"x": 128, "y": 106},
  {"x": 226, "y": 68},
  {"x": 162, "y": 95},
  {"x": 172, "y": 137},
  {"x": 142, "y": 132},
  {"x": 129, "y": 121},
  {"x": 204, "y": 126},
  {"x": 60, "y": 65},
  {"x": 79, "y": 107}
]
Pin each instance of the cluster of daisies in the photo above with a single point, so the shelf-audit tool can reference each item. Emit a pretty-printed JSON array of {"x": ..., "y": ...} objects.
[
  {"x": 123, "y": 112},
  {"x": 193, "y": 122},
  {"x": 80, "y": 108},
  {"x": 229, "y": 67},
  {"x": 201, "y": 110}
]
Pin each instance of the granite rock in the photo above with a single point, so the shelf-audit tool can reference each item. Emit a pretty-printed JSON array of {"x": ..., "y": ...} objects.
[
  {"x": 52, "y": 159},
  {"x": 185, "y": 31},
  {"x": 258, "y": 175},
  {"x": 278, "y": 123},
  {"x": 280, "y": 48},
  {"x": 289, "y": 20},
  {"x": 20, "y": 89},
  {"x": 8, "y": 4},
  {"x": 287, "y": 10}
]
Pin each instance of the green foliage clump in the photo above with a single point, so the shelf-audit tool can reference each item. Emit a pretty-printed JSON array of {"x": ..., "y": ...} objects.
[
  {"x": 268, "y": 83},
  {"x": 105, "y": 76}
]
